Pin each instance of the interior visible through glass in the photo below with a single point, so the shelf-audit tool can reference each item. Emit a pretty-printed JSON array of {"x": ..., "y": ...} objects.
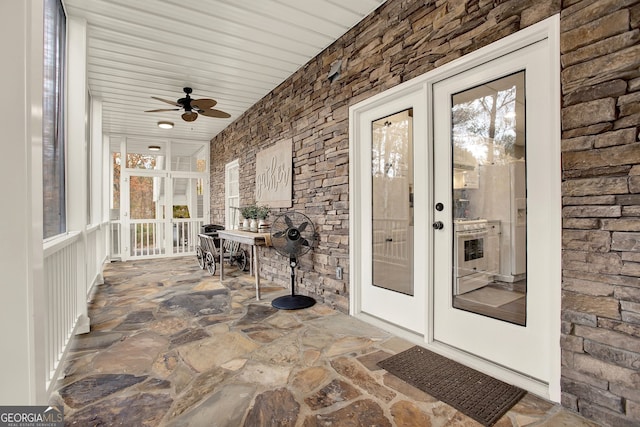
[
  {"x": 489, "y": 196},
  {"x": 392, "y": 210}
]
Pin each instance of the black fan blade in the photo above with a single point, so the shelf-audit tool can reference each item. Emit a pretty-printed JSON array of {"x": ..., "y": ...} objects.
[
  {"x": 203, "y": 104},
  {"x": 167, "y": 101},
  {"x": 212, "y": 112},
  {"x": 279, "y": 234},
  {"x": 162, "y": 109},
  {"x": 303, "y": 226},
  {"x": 304, "y": 242},
  {"x": 288, "y": 221}
]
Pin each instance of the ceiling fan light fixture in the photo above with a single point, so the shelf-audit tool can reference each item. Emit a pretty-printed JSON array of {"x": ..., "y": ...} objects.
[
  {"x": 165, "y": 124},
  {"x": 154, "y": 148}
]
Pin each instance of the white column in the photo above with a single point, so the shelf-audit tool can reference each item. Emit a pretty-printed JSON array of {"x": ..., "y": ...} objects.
[
  {"x": 77, "y": 115},
  {"x": 97, "y": 160},
  {"x": 21, "y": 256},
  {"x": 98, "y": 187},
  {"x": 106, "y": 183}
]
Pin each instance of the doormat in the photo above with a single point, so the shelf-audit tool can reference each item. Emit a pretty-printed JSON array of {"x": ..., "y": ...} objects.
[{"x": 478, "y": 396}]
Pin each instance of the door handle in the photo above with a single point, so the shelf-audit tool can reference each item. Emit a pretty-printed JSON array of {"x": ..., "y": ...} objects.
[{"x": 438, "y": 225}]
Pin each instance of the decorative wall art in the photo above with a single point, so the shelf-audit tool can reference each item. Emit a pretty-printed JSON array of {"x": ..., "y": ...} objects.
[{"x": 274, "y": 168}]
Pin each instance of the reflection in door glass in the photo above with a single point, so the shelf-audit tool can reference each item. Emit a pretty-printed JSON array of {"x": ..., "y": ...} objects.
[
  {"x": 489, "y": 199},
  {"x": 392, "y": 187}
]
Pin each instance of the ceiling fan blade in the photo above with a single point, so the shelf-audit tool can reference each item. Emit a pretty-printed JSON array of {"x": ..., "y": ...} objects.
[
  {"x": 303, "y": 226},
  {"x": 211, "y": 112},
  {"x": 279, "y": 234},
  {"x": 304, "y": 242},
  {"x": 162, "y": 109},
  {"x": 203, "y": 104},
  {"x": 189, "y": 116},
  {"x": 167, "y": 101}
]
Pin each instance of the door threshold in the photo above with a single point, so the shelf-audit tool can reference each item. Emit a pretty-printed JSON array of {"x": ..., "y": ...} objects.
[{"x": 400, "y": 332}]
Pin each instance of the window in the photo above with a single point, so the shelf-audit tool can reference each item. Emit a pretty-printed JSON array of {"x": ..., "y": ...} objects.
[
  {"x": 53, "y": 134},
  {"x": 232, "y": 194}
]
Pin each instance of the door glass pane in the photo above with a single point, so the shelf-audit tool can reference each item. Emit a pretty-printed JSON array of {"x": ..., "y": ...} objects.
[
  {"x": 489, "y": 199},
  {"x": 392, "y": 196}
]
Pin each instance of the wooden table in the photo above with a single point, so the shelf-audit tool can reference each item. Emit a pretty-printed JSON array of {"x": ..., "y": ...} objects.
[{"x": 246, "y": 238}]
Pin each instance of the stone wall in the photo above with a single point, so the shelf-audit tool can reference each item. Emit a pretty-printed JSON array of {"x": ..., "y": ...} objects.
[
  {"x": 600, "y": 57},
  {"x": 601, "y": 171},
  {"x": 402, "y": 39}
]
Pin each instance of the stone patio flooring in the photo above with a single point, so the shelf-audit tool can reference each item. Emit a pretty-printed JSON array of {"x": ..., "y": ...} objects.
[{"x": 170, "y": 346}]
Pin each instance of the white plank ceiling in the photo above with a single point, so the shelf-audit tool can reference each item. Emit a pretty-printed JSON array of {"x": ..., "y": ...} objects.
[{"x": 230, "y": 50}]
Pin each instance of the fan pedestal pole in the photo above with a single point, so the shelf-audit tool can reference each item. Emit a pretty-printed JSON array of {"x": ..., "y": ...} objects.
[{"x": 293, "y": 301}]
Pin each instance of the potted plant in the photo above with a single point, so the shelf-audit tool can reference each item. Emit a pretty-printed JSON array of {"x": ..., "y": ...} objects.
[
  {"x": 249, "y": 213},
  {"x": 262, "y": 212}
]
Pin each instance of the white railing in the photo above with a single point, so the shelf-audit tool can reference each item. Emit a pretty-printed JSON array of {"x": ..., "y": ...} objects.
[
  {"x": 185, "y": 235},
  {"x": 72, "y": 267},
  {"x": 115, "y": 248},
  {"x": 146, "y": 237},
  {"x": 61, "y": 296},
  {"x": 391, "y": 241}
]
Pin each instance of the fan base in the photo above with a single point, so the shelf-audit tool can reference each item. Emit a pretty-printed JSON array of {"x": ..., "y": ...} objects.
[{"x": 293, "y": 302}]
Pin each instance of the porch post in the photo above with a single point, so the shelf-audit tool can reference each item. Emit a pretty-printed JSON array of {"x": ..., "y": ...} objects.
[
  {"x": 77, "y": 107},
  {"x": 21, "y": 252}
]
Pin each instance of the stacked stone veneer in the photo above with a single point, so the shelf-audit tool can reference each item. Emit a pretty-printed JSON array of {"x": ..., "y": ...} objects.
[
  {"x": 600, "y": 58},
  {"x": 601, "y": 172}
]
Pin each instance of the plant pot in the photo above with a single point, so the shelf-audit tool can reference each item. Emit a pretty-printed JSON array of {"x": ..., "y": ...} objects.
[
  {"x": 245, "y": 224},
  {"x": 263, "y": 226},
  {"x": 253, "y": 225}
]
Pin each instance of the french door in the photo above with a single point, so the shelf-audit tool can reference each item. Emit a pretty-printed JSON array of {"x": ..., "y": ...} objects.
[
  {"x": 492, "y": 176},
  {"x": 162, "y": 213},
  {"x": 455, "y": 229},
  {"x": 391, "y": 171}
]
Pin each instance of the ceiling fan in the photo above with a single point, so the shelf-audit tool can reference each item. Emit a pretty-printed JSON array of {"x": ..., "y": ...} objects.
[{"x": 192, "y": 107}]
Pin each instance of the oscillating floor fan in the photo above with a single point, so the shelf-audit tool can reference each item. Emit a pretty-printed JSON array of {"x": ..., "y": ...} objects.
[{"x": 292, "y": 235}]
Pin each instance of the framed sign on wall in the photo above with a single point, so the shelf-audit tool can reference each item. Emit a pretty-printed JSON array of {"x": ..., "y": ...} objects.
[{"x": 274, "y": 168}]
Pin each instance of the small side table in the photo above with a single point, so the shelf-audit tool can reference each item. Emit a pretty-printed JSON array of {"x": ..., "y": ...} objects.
[{"x": 247, "y": 238}]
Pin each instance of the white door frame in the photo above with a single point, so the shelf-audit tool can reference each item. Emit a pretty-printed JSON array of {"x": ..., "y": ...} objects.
[
  {"x": 168, "y": 175},
  {"x": 548, "y": 29}
]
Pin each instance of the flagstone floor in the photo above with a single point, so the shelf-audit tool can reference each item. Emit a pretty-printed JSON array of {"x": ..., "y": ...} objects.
[{"x": 170, "y": 346}]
